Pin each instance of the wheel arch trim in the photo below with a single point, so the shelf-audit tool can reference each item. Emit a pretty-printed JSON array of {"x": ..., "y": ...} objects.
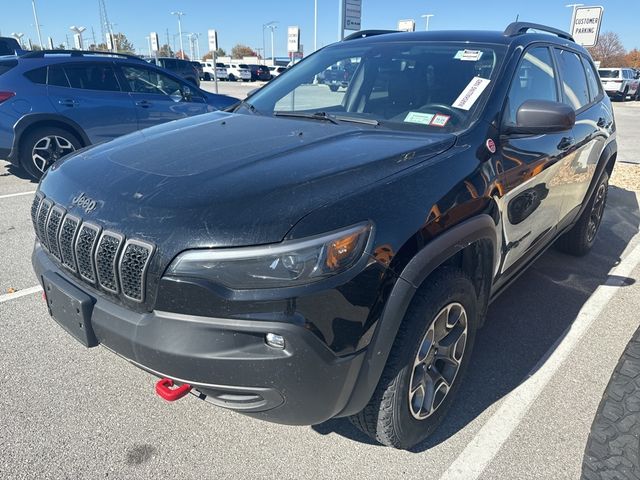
[{"x": 425, "y": 262}]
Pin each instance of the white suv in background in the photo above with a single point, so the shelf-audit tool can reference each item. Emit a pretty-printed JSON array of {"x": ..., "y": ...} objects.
[
  {"x": 221, "y": 70},
  {"x": 620, "y": 83},
  {"x": 238, "y": 72}
]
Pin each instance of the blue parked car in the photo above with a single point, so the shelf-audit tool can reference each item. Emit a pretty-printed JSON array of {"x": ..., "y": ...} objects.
[{"x": 54, "y": 102}]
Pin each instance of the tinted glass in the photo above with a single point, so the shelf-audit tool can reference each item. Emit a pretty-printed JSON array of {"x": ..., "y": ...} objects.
[
  {"x": 609, "y": 73},
  {"x": 57, "y": 77},
  {"x": 575, "y": 92},
  {"x": 169, "y": 64},
  {"x": 534, "y": 80},
  {"x": 39, "y": 75},
  {"x": 97, "y": 76},
  {"x": 7, "y": 65},
  {"x": 147, "y": 80},
  {"x": 437, "y": 86},
  {"x": 592, "y": 79}
]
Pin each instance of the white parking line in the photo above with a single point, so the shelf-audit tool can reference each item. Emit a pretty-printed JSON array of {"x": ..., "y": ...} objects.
[
  {"x": 20, "y": 293},
  {"x": 479, "y": 453},
  {"x": 17, "y": 194}
]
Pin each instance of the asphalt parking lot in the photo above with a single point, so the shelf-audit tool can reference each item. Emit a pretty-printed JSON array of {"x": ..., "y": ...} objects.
[{"x": 539, "y": 369}]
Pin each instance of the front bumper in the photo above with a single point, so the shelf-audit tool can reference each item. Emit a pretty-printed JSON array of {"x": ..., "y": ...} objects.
[{"x": 226, "y": 360}]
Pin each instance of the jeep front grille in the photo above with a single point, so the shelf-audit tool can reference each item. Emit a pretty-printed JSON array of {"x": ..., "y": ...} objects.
[{"x": 107, "y": 260}]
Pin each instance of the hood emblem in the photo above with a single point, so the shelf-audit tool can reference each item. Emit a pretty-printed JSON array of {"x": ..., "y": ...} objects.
[{"x": 86, "y": 203}]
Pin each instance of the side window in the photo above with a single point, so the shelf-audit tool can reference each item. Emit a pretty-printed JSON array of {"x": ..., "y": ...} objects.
[
  {"x": 575, "y": 92},
  {"x": 170, "y": 64},
  {"x": 92, "y": 76},
  {"x": 57, "y": 77},
  {"x": 39, "y": 75},
  {"x": 535, "y": 79},
  {"x": 147, "y": 80},
  {"x": 592, "y": 79}
]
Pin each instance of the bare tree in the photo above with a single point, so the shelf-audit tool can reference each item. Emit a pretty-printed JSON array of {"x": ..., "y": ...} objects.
[{"x": 609, "y": 51}]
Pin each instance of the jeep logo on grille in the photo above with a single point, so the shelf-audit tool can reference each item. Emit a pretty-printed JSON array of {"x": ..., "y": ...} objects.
[{"x": 84, "y": 202}]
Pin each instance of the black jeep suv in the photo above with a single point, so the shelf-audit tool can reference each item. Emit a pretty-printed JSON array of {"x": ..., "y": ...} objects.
[{"x": 315, "y": 254}]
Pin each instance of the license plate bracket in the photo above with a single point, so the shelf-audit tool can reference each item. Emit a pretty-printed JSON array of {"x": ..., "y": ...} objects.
[{"x": 70, "y": 307}]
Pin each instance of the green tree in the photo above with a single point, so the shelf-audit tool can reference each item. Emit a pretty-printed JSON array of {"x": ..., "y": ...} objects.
[
  {"x": 220, "y": 52},
  {"x": 123, "y": 44},
  {"x": 209, "y": 55},
  {"x": 165, "y": 51},
  {"x": 240, "y": 51}
]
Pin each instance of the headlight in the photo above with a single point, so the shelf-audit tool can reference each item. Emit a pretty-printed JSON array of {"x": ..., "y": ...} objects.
[{"x": 285, "y": 264}]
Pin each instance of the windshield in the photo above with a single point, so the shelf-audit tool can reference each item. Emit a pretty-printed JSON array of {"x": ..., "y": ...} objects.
[
  {"x": 609, "y": 73},
  {"x": 431, "y": 86}
]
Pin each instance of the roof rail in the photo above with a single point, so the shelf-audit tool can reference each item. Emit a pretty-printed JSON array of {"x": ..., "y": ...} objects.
[
  {"x": 77, "y": 53},
  {"x": 520, "y": 28},
  {"x": 368, "y": 33}
]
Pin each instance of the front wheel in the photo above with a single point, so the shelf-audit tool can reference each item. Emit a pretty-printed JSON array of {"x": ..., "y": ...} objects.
[
  {"x": 232, "y": 77},
  {"x": 44, "y": 146},
  {"x": 580, "y": 239},
  {"x": 333, "y": 88},
  {"x": 624, "y": 95},
  {"x": 207, "y": 77},
  {"x": 427, "y": 361}
]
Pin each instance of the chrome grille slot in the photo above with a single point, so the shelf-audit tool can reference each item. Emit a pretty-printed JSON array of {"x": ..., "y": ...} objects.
[
  {"x": 43, "y": 215},
  {"x": 35, "y": 206},
  {"x": 85, "y": 248},
  {"x": 133, "y": 268},
  {"x": 55, "y": 217},
  {"x": 106, "y": 260},
  {"x": 66, "y": 240}
]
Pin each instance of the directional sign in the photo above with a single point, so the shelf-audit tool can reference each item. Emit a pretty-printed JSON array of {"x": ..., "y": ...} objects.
[
  {"x": 586, "y": 25},
  {"x": 155, "y": 42},
  {"x": 351, "y": 14},
  {"x": 293, "y": 39},
  {"x": 407, "y": 25},
  {"x": 212, "y": 35}
]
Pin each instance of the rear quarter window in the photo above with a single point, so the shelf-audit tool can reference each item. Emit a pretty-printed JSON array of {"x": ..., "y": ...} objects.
[
  {"x": 39, "y": 75},
  {"x": 7, "y": 65}
]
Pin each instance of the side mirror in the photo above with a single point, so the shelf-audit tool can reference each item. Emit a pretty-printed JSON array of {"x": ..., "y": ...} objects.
[{"x": 543, "y": 116}]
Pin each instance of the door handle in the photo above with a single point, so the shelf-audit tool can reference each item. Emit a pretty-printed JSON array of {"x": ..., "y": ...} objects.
[
  {"x": 68, "y": 102},
  {"x": 566, "y": 143},
  {"x": 143, "y": 103}
]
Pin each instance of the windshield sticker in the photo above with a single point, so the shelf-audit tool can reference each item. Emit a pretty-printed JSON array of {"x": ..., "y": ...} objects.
[
  {"x": 440, "y": 120},
  {"x": 469, "y": 55},
  {"x": 471, "y": 93},
  {"x": 417, "y": 117}
]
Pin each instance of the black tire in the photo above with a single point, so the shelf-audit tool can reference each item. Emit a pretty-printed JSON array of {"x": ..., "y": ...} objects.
[
  {"x": 333, "y": 88},
  {"x": 612, "y": 448},
  {"x": 29, "y": 141},
  {"x": 580, "y": 239},
  {"x": 387, "y": 417},
  {"x": 231, "y": 77},
  {"x": 207, "y": 77},
  {"x": 624, "y": 95}
]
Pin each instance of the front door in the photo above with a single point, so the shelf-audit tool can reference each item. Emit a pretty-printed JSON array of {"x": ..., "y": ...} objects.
[
  {"x": 159, "y": 97},
  {"x": 530, "y": 201}
]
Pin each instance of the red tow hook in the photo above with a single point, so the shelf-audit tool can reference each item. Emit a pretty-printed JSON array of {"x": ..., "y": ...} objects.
[{"x": 164, "y": 390}]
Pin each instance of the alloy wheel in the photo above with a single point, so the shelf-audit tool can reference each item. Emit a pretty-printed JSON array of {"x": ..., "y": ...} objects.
[
  {"x": 597, "y": 210},
  {"x": 49, "y": 149},
  {"x": 438, "y": 360}
]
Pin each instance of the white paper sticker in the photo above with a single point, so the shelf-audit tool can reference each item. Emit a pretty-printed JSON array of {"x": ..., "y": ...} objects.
[
  {"x": 417, "y": 117},
  {"x": 440, "y": 120},
  {"x": 471, "y": 93},
  {"x": 469, "y": 55}
]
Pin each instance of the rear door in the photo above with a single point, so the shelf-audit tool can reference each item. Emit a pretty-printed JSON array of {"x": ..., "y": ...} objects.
[
  {"x": 159, "y": 97},
  {"x": 530, "y": 200},
  {"x": 90, "y": 94},
  {"x": 581, "y": 91}
]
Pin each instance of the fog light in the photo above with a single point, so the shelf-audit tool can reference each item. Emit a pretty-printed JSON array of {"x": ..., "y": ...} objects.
[{"x": 275, "y": 341}]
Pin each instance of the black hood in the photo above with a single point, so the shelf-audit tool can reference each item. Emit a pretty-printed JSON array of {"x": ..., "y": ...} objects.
[{"x": 230, "y": 179}]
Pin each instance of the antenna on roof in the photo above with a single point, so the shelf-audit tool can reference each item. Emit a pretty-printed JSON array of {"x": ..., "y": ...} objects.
[{"x": 517, "y": 17}]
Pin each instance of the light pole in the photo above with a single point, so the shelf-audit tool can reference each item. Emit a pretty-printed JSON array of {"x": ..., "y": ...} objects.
[
  {"x": 273, "y": 57},
  {"x": 78, "y": 31},
  {"x": 315, "y": 25},
  {"x": 573, "y": 14},
  {"x": 180, "y": 15},
  {"x": 35, "y": 16},
  {"x": 271, "y": 25},
  {"x": 426, "y": 18},
  {"x": 18, "y": 37}
]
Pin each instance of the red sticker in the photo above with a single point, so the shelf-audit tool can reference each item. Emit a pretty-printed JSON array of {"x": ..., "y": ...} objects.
[
  {"x": 439, "y": 120},
  {"x": 491, "y": 145}
]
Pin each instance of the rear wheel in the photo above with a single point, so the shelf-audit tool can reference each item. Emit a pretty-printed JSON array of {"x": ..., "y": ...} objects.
[
  {"x": 426, "y": 363},
  {"x": 44, "y": 146},
  {"x": 232, "y": 77},
  {"x": 580, "y": 239},
  {"x": 207, "y": 77},
  {"x": 624, "y": 95},
  {"x": 333, "y": 88}
]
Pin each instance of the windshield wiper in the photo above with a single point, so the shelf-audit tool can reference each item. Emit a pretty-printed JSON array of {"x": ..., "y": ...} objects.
[
  {"x": 365, "y": 121},
  {"x": 313, "y": 116}
]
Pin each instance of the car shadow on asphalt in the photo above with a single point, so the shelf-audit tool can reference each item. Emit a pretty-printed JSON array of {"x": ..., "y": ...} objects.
[
  {"x": 15, "y": 171},
  {"x": 525, "y": 322}
]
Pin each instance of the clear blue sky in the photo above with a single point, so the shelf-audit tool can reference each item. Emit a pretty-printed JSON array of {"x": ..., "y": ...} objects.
[{"x": 241, "y": 21}]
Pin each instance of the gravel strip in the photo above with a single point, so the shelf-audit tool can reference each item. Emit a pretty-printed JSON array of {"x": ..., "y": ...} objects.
[{"x": 627, "y": 176}]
